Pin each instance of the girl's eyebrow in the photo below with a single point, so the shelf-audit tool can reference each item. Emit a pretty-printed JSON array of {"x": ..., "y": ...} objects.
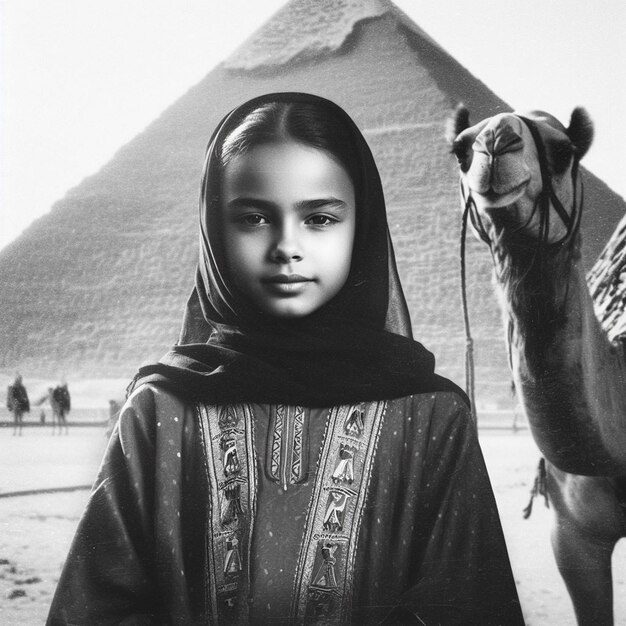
[
  {"x": 302, "y": 205},
  {"x": 318, "y": 203},
  {"x": 247, "y": 203}
]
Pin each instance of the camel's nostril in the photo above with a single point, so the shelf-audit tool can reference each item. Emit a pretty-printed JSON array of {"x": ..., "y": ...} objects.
[
  {"x": 484, "y": 142},
  {"x": 498, "y": 141},
  {"x": 507, "y": 140}
]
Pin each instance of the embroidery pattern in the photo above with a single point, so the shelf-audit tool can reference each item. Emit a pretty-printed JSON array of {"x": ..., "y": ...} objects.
[
  {"x": 277, "y": 441},
  {"x": 232, "y": 558},
  {"x": 354, "y": 424},
  {"x": 287, "y": 445},
  {"x": 298, "y": 445},
  {"x": 324, "y": 576},
  {"x": 227, "y": 434},
  {"x": 324, "y": 586},
  {"x": 344, "y": 472}
]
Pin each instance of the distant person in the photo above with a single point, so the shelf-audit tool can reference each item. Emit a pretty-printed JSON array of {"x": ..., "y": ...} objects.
[
  {"x": 518, "y": 413},
  {"x": 115, "y": 408},
  {"x": 17, "y": 403},
  {"x": 295, "y": 459}
]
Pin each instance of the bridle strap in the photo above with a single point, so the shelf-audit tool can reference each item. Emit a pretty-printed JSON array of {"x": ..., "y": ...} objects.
[{"x": 571, "y": 221}]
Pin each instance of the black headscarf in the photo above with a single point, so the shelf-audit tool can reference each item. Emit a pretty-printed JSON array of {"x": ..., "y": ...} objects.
[{"x": 355, "y": 348}]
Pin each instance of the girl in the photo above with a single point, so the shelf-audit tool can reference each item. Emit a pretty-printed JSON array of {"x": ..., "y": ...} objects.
[{"x": 294, "y": 459}]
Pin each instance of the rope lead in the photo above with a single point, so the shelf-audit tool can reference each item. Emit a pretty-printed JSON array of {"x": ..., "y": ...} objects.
[{"x": 469, "y": 342}]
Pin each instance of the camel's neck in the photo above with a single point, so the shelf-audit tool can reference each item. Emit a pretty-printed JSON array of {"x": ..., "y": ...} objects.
[{"x": 571, "y": 380}]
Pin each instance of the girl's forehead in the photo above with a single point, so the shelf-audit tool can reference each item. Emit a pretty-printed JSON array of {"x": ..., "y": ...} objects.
[
  {"x": 265, "y": 155},
  {"x": 286, "y": 165}
]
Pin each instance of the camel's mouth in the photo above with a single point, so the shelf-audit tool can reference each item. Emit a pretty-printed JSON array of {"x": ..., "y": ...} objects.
[{"x": 494, "y": 200}]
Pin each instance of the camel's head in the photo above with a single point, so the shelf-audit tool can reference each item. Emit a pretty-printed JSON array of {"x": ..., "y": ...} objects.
[{"x": 501, "y": 166}]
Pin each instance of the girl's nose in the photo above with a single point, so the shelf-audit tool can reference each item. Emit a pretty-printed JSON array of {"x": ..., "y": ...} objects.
[{"x": 286, "y": 248}]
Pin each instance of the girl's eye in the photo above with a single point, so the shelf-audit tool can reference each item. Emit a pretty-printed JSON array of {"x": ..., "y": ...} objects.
[
  {"x": 322, "y": 220},
  {"x": 253, "y": 219}
]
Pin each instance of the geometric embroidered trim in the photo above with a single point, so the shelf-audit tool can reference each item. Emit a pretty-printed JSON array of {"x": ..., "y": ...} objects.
[
  {"x": 287, "y": 460},
  {"x": 298, "y": 459},
  {"x": 276, "y": 433}
]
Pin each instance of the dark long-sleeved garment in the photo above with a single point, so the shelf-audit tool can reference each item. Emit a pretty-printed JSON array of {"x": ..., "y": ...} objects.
[{"x": 373, "y": 513}]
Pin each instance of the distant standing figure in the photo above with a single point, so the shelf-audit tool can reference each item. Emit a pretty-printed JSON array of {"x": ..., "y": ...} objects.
[
  {"x": 114, "y": 412},
  {"x": 17, "y": 403},
  {"x": 518, "y": 414},
  {"x": 61, "y": 404}
]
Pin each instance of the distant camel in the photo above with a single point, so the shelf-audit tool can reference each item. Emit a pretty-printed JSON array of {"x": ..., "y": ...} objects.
[
  {"x": 59, "y": 399},
  {"x": 61, "y": 405},
  {"x": 17, "y": 403},
  {"x": 523, "y": 192}
]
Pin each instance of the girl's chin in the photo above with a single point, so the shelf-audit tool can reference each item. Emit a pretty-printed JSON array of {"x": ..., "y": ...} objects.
[
  {"x": 293, "y": 307},
  {"x": 289, "y": 312}
]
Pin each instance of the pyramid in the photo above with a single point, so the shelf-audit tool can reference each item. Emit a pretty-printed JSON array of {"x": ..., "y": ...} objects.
[{"x": 97, "y": 286}]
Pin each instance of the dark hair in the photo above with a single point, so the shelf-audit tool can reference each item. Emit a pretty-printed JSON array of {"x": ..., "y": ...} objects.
[{"x": 311, "y": 123}]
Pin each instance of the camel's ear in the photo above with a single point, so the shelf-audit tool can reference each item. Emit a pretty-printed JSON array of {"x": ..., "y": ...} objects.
[
  {"x": 580, "y": 131},
  {"x": 457, "y": 123}
]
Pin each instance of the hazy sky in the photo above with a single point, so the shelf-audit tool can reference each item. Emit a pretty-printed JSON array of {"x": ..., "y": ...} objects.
[{"x": 79, "y": 78}]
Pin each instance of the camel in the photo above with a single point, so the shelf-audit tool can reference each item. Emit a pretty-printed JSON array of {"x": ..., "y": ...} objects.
[
  {"x": 59, "y": 399},
  {"x": 60, "y": 403},
  {"x": 522, "y": 191}
]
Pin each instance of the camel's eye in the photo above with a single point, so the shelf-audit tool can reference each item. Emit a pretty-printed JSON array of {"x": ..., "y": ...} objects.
[
  {"x": 461, "y": 149},
  {"x": 561, "y": 154}
]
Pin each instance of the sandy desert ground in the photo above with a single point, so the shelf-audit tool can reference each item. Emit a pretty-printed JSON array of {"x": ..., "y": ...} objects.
[{"x": 35, "y": 530}]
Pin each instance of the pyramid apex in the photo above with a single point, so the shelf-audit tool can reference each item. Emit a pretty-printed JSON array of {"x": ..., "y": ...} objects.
[{"x": 303, "y": 29}]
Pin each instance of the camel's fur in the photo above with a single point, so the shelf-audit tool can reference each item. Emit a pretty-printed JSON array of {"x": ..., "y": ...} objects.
[{"x": 571, "y": 379}]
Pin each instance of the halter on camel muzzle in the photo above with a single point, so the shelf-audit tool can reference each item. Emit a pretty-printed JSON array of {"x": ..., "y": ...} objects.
[{"x": 545, "y": 199}]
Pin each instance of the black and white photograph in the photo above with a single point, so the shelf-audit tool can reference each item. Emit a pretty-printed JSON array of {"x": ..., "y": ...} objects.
[{"x": 312, "y": 312}]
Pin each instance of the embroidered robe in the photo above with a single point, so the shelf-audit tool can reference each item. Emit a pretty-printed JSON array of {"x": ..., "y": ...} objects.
[{"x": 374, "y": 513}]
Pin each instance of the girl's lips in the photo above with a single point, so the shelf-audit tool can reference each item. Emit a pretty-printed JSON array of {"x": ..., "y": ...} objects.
[
  {"x": 287, "y": 285},
  {"x": 286, "y": 279}
]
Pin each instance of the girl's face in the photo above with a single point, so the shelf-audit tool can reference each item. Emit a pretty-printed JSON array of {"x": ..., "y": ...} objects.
[{"x": 288, "y": 218}]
